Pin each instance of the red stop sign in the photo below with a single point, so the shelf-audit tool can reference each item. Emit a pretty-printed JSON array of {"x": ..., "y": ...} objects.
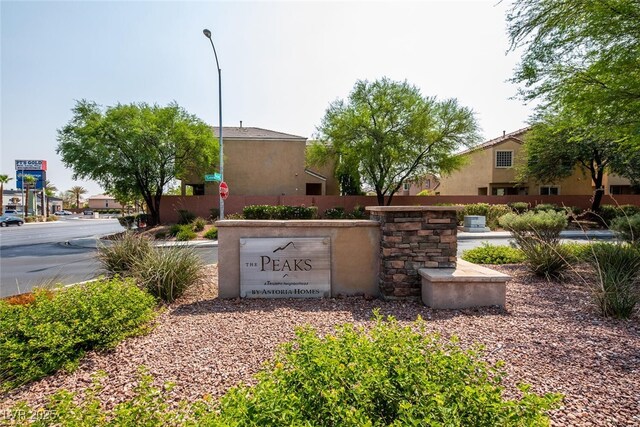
[{"x": 224, "y": 190}]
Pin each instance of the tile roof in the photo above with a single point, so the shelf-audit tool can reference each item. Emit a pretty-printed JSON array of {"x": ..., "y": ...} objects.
[
  {"x": 252, "y": 133},
  {"x": 517, "y": 135}
]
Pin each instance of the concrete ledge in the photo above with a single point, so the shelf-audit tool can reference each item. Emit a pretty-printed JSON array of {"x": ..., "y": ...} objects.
[
  {"x": 468, "y": 285},
  {"x": 296, "y": 223}
]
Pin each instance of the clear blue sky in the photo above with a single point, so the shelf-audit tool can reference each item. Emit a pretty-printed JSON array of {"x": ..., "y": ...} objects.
[{"x": 282, "y": 62}]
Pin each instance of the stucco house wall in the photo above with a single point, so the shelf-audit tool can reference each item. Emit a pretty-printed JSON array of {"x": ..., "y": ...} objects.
[{"x": 262, "y": 162}]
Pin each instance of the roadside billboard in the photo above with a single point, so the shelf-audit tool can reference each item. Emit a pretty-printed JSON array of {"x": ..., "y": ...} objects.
[
  {"x": 31, "y": 165},
  {"x": 39, "y": 175}
]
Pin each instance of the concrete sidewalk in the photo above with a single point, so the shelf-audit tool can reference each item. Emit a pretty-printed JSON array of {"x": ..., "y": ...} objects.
[{"x": 92, "y": 243}]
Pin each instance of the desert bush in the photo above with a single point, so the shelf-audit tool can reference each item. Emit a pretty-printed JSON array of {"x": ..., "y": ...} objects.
[
  {"x": 51, "y": 218},
  {"x": 31, "y": 219},
  {"x": 537, "y": 234},
  {"x": 54, "y": 333},
  {"x": 335, "y": 213},
  {"x": 494, "y": 214},
  {"x": 161, "y": 235},
  {"x": 118, "y": 256},
  {"x": 198, "y": 224},
  {"x": 627, "y": 228},
  {"x": 491, "y": 254},
  {"x": 211, "y": 233},
  {"x": 617, "y": 278},
  {"x": 390, "y": 375},
  {"x": 167, "y": 272},
  {"x": 519, "y": 207},
  {"x": 186, "y": 233},
  {"x": 185, "y": 216}
]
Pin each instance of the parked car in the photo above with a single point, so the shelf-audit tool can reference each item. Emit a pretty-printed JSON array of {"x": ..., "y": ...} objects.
[
  {"x": 7, "y": 220},
  {"x": 12, "y": 212},
  {"x": 60, "y": 213},
  {"x": 88, "y": 212}
]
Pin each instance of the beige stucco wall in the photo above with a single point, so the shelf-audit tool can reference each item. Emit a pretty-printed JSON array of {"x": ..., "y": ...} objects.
[
  {"x": 466, "y": 180},
  {"x": 355, "y": 248}
]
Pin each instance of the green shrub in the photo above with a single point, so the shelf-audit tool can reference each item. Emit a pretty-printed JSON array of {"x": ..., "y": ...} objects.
[
  {"x": 185, "y": 216},
  {"x": 537, "y": 234},
  {"x": 175, "y": 229},
  {"x": 490, "y": 254},
  {"x": 167, "y": 272},
  {"x": 542, "y": 207},
  {"x": 118, "y": 257},
  {"x": 480, "y": 209},
  {"x": 578, "y": 252},
  {"x": 234, "y": 216},
  {"x": 198, "y": 224},
  {"x": 426, "y": 193},
  {"x": 335, "y": 213},
  {"x": 211, "y": 233},
  {"x": 495, "y": 213},
  {"x": 279, "y": 212},
  {"x": 610, "y": 212},
  {"x": 391, "y": 375},
  {"x": 617, "y": 278},
  {"x": 519, "y": 207},
  {"x": 161, "y": 235},
  {"x": 185, "y": 234},
  {"x": 127, "y": 221},
  {"x": 359, "y": 212},
  {"x": 627, "y": 228},
  {"x": 53, "y": 333}
]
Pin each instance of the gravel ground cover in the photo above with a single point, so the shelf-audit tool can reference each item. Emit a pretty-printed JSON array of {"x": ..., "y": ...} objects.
[{"x": 549, "y": 335}]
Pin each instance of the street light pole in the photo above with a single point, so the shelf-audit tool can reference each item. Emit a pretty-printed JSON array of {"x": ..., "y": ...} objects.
[{"x": 207, "y": 34}]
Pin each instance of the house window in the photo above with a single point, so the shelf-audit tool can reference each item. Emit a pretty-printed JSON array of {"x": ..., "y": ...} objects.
[
  {"x": 504, "y": 159},
  {"x": 549, "y": 190},
  {"x": 406, "y": 186},
  {"x": 427, "y": 184}
]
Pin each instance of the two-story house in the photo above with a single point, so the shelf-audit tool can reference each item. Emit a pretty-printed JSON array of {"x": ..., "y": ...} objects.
[{"x": 490, "y": 169}]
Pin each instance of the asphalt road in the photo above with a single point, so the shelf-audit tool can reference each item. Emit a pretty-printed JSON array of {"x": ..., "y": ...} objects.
[{"x": 36, "y": 254}]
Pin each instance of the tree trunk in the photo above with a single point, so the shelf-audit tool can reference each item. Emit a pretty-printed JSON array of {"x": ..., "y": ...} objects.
[
  {"x": 25, "y": 208},
  {"x": 599, "y": 191},
  {"x": 380, "y": 197}
]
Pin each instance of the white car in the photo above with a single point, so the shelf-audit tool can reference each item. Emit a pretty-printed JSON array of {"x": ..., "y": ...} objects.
[{"x": 59, "y": 213}]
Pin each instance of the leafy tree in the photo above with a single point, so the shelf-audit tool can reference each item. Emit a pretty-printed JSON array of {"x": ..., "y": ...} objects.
[
  {"x": 557, "y": 145},
  {"x": 583, "y": 58},
  {"x": 77, "y": 191},
  {"x": 135, "y": 149},
  {"x": 386, "y": 133},
  {"x": 4, "y": 179}
]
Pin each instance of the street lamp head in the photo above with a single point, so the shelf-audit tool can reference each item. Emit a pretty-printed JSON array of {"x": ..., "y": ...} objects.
[{"x": 207, "y": 33}]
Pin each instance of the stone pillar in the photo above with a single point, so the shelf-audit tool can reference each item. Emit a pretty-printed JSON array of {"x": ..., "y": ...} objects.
[{"x": 411, "y": 238}]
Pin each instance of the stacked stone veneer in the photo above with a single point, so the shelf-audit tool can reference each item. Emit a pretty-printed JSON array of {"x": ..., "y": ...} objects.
[{"x": 411, "y": 238}]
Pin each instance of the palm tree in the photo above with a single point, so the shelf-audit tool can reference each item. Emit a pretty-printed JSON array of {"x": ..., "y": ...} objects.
[
  {"x": 28, "y": 181},
  {"x": 50, "y": 189},
  {"x": 4, "y": 179},
  {"x": 77, "y": 191}
]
